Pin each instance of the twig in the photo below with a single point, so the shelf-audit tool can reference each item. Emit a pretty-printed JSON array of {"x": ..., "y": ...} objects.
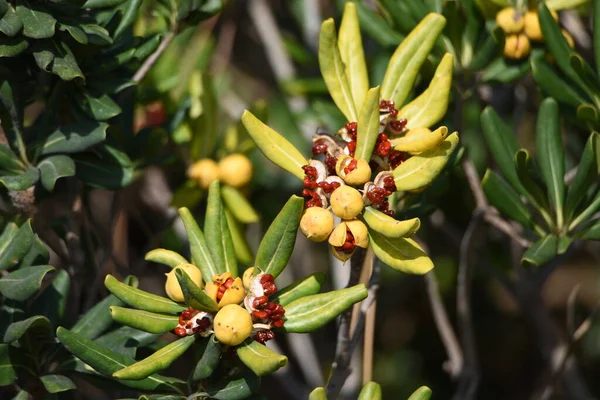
[
  {"x": 151, "y": 60},
  {"x": 369, "y": 343}
]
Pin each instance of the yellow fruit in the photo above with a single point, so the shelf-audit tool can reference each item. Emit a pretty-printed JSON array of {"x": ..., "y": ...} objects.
[
  {"x": 234, "y": 294},
  {"x": 359, "y": 171},
  {"x": 533, "y": 30},
  {"x": 359, "y": 232},
  {"x": 346, "y": 202},
  {"x": 203, "y": 172},
  {"x": 172, "y": 284},
  {"x": 316, "y": 223},
  {"x": 232, "y": 325},
  {"x": 517, "y": 46},
  {"x": 235, "y": 170},
  {"x": 339, "y": 238},
  {"x": 510, "y": 20},
  {"x": 247, "y": 277}
]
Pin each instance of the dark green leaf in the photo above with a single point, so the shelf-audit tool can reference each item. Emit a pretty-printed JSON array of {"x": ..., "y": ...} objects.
[
  {"x": 485, "y": 53},
  {"x": 502, "y": 196},
  {"x": 96, "y": 34},
  {"x": 216, "y": 230},
  {"x": 129, "y": 15},
  {"x": 65, "y": 64},
  {"x": 74, "y": 138},
  {"x": 593, "y": 232},
  {"x": 100, "y": 108},
  {"x": 17, "y": 247},
  {"x": 194, "y": 296},
  {"x": 587, "y": 174},
  {"x": 38, "y": 254},
  {"x": 234, "y": 388},
  {"x": 97, "y": 319},
  {"x": 126, "y": 340},
  {"x": 24, "y": 283},
  {"x": 12, "y": 46},
  {"x": 9, "y": 161},
  {"x": 38, "y": 23},
  {"x": 53, "y": 300},
  {"x": 211, "y": 354},
  {"x": 55, "y": 167},
  {"x": 504, "y": 71},
  {"x": 102, "y": 3},
  {"x": 10, "y": 312},
  {"x": 525, "y": 172},
  {"x": 550, "y": 155},
  {"x": 76, "y": 32},
  {"x": 106, "y": 168},
  {"x": 7, "y": 370},
  {"x": 22, "y": 181},
  {"x": 36, "y": 324},
  {"x": 542, "y": 251},
  {"x": 10, "y": 23},
  {"x": 145, "y": 49},
  {"x": 278, "y": 242},
  {"x": 376, "y": 27},
  {"x": 553, "y": 84},
  {"x": 57, "y": 383},
  {"x": 201, "y": 256}
]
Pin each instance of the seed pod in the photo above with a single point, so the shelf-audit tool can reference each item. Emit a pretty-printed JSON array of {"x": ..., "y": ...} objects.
[
  {"x": 510, "y": 20},
  {"x": 172, "y": 286},
  {"x": 259, "y": 358},
  {"x": 144, "y": 320},
  {"x": 346, "y": 202},
  {"x": 301, "y": 288},
  {"x": 371, "y": 391},
  {"x": 355, "y": 172},
  {"x": 533, "y": 29},
  {"x": 225, "y": 290},
  {"x": 310, "y": 313},
  {"x": 346, "y": 237},
  {"x": 235, "y": 170},
  {"x": 232, "y": 325},
  {"x": 247, "y": 277},
  {"x": 140, "y": 299},
  {"x": 316, "y": 223},
  {"x": 204, "y": 172},
  {"x": 209, "y": 360},
  {"x": 517, "y": 46},
  {"x": 161, "y": 359}
]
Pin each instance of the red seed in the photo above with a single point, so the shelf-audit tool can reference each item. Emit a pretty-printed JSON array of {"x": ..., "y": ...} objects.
[
  {"x": 277, "y": 323},
  {"x": 179, "y": 331},
  {"x": 260, "y": 314}
]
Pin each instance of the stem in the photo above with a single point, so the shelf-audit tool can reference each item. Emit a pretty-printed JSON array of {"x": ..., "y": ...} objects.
[
  {"x": 369, "y": 343},
  {"x": 153, "y": 58}
]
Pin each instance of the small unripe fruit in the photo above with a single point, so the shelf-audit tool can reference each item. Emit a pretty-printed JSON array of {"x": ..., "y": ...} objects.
[
  {"x": 316, "y": 223},
  {"x": 355, "y": 172},
  {"x": 247, "y": 277},
  {"x": 346, "y": 202},
  {"x": 203, "y": 172},
  {"x": 517, "y": 46},
  {"x": 533, "y": 30},
  {"x": 172, "y": 284},
  {"x": 232, "y": 325},
  {"x": 235, "y": 170},
  {"x": 510, "y": 20}
]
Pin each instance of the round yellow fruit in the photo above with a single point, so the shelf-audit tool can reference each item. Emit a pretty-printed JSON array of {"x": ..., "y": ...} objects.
[
  {"x": 316, "y": 223},
  {"x": 232, "y": 325},
  {"x": 235, "y": 170},
  {"x": 510, "y": 20},
  {"x": 360, "y": 173},
  {"x": 203, "y": 172},
  {"x": 346, "y": 202},
  {"x": 172, "y": 284},
  {"x": 517, "y": 46}
]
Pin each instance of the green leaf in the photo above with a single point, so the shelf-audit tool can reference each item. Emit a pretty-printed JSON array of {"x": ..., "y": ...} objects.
[
  {"x": 592, "y": 232},
  {"x": 161, "y": 359},
  {"x": 388, "y": 226},
  {"x": 542, "y": 251},
  {"x": 240, "y": 243},
  {"x": 17, "y": 248},
  {"x": 127, "y": 340},
  {"x": 57, "y": 383},
  {"x": 564, "y": 4},
  {"x": 149, "y": 45},
  {"x": 102, "y": 3},
  {"x": 10, "y": 312},
  {"x": 129, "y": 15},
  {"x": 105, "y": 167},
  {"x": 194, "y": 296},
  {"x": 553, "y": 84},
  {"x": 10, "y": 23},
  {"x": 53, "y": 300},
  {"x": 9, "y": 161},
  {"x": 429, "y": 108},
  {"x": 408, "y": 58},
  {"x": 334, "y": 71},
  {"x": 422, "y": 393},
  {"x": 107, "y": 362},
  {"x": 12, "y": 46},
  {"x": 537, "y": 195},
  {"x": 76, "y": 32},
  {"x": 352, "y": 55},
  {"x": 376, "y": 27},
  {"x": 278, "y": 242},
  {"x": 166, "y": 257},
  {"x": 218, "y": 238},
  {"x": 259, "y": 358},
  {"x": 504, "y": 71},
  {"x": 238, "y": 205},
  {"x": 141, "y": 299},
  {"x": 420, "y": 139},
  {"x": 234, "y": 388},
  {"x": 57, "y": 58},
  {"x": 201, "y": 256},
  {"x": 36, "y": 324},
  {"x": 74, "y": 138},
  {"x": 401, "y": 254},
  {"x": 274, "y": 146},
  {"x": 551, "y": 156},
  {"x": 208, "y": 361},
  {"x": 420, "y": 170},
  {"x": 97, "y": 107},
  {"x": 371, "y": 391},
  {"x": 318, "y": 394},
  {"x": 38, "y": 253},
  {"x": 38, "y": 23},
  {"x": 594, "y": 205},
  {"x": 306, "y": 286},
  {"x": 596, "y": 33},
  {"x": 144, "y": 320},
  {"x": 7, "y": 370},
  {"x": 55, "y": 167},
  {"x": 96, "y": 34},
  {"x": 587, "y": 173},
  {"x": 21, "y": 182},
  {"x": 504, "y": 198},
  {"x": 368, "y": 125},
  {"x": 24, "y": 283}
]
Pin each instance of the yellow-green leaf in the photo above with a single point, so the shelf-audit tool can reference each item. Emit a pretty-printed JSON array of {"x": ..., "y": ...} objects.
[
  {"x": 388, "y": 226},
  {"x": 238, "y": 205},
  {"x": 334, "y": 71},
  {"x": 557, "y": 5},
  {"x": 274, "y": 146},
  {"x": 420, "y": 139},
  {"x": 351, "y": 51},
  {"x": 166, "y": 257},
  {"x": 408, "y": 58},
  {"x": 259, "y": 358},
  {"x": 420, "y": 170},
  {"x": 431, "y": 105},
  {"x": 368, "y": 125},
  {"x": 401, "y": 254}
]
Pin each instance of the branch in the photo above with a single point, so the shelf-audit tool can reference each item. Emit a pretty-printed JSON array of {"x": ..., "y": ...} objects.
[{"x": 153, "y": 58}]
